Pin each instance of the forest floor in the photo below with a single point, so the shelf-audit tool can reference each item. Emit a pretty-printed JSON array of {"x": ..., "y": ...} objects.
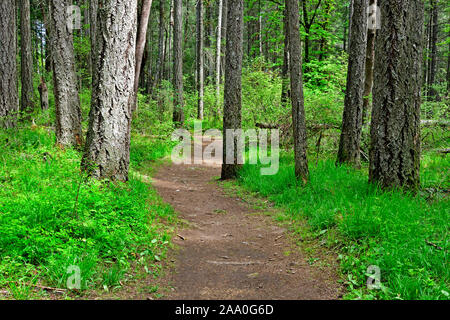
[{"x": 228, "y": 249}]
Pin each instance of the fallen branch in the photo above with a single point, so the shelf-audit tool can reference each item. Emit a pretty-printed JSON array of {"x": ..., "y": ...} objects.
[{"x": 433, "y": 245}]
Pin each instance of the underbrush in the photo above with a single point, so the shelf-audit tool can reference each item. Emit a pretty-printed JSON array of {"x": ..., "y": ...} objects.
[
  {"x": 54, "y": 222},
  {"x": 404, "y": 235}
]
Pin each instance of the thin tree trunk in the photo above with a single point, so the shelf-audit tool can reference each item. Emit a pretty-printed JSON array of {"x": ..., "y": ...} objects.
[
  {"x": 224, "y": 37},
  {"x": 433, "y": 48},
  {"x": 232, "y": 115},
  {"x": 93, "y": 8},
  {"x": 178, "y": 101},
  {"x": 161, "y": 49},
  {"x": 285, "y": 69},
  {"x": 9, "y": 101},
  {"x": 298, "y": 108},
  {"x": 67, "y": 101},
  {"x": 140, "y": 47},
  {"x": 218, "y": 54},
  {"x": 395, "y": 125},
  {"x": 200, "y": 59},
  {"x": 27, "y": 92},
  {"x": 350, "y": 140},
  {"x": 107, "y": 152},
  {"x": 370, "y": 59},
  {"x": 43, "y": 94}
]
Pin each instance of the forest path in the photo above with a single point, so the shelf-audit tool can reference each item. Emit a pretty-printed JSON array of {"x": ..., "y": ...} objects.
[{"x": 229, "y": 250}]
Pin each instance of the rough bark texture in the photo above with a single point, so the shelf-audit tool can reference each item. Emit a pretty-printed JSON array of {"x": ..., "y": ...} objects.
[
  {"x": 350, "y": 140},
  {"x": 298, "y": 108},
  {"x": 370, "y": 59},
  {"x": 232, "y": 114},
  {"x": 9, "y": 101},
  {"x": 178, "y": 100},
  {"x": 395, "y": 125},
  {"x": 107, "y": 152},
  {"x": 140, "y": 47},
  {"x": 200, "y": 60},
  {"x": 67, "y": 101},
  {"x": 27, "y": 92}
]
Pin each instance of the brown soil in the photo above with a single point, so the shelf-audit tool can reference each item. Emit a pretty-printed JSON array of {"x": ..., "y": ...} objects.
[{"x": 230, "y": 251}]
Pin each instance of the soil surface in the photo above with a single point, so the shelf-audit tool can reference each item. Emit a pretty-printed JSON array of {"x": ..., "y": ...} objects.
[{"x": 230, "y": 251}]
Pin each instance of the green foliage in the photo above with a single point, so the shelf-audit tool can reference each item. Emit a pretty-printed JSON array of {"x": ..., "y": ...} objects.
[
  {"x": 405, "y": 235},
  {"x": 52, "y": 217}
]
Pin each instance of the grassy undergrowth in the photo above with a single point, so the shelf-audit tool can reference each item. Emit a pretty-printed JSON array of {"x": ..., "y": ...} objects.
[
  {"x": 405, "y": 235},
  {"x": 52, "y": 218}
]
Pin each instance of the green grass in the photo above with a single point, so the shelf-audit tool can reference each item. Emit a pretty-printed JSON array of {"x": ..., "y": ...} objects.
[
  {"x": 112, "y": 230},
  {"x": 398, "y": 232}
]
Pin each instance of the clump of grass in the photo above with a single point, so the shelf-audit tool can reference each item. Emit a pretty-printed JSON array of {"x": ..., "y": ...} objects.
[
  {"x": 45, "y": 227},
  {"x": 405, "y": 235}
]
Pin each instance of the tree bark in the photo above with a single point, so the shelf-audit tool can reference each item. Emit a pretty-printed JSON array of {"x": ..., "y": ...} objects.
[
  {"x": 395, "y": 126},
  {"x": 285, "y": 69},
  {"x": 43, "y": 94},
  {"x": 370, "y": 59},
  {"x": 26, "y": 69},
  {"x": 232, "y": 115},
  {"x": 93, "y": 8},
  {"x": 431, "y": 92},
  {"x": 200, "y": 60},
  {"x": 350, "y": 140},
  {"x": 178, "y": 101},
  {"x": 9, "y": 101},
  {"x": 107, "y": 152},
  {"x": 67, "y": 101},
  {"x": 161, "y": 50},
  {"x": 224, "y": 36},
  {"x": 298, "y": 108},
  {"x": 218, "y": 54},
  {"x": 140, "y": 47}
]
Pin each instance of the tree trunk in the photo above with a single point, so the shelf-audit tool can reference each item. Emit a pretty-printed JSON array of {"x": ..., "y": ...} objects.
[
  {"x": 298, "y": 108},
  {"x": 93, "y": 8},
  {"x": 285, "y": 68},
  {"x": 370, "y": 59},
  {"x": 27, "y": 92},
  {"x": 224, "y": 37},
  {"x": 395, "y": 125},
  {"x": 140, "y": 47},
  {"x": 107, "y": 152},
  {"x": 350, "y": 140},
  {"x": 232, "y": 115},
  {"x": 178, "y": 101},
  {"x": 43, "y": 94},
  {"x": 433, "y": 48},
  {"x": 9, "y": 101},
  {"x": 218, "y": 54},
  {"x": 67, "y": 101},
  {"x": 200, "y": 60},
  {"x": 161, "y": 48}
]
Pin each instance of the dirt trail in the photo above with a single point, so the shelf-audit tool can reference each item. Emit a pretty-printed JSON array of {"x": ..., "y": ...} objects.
[{"x": 229, "y": 251}]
